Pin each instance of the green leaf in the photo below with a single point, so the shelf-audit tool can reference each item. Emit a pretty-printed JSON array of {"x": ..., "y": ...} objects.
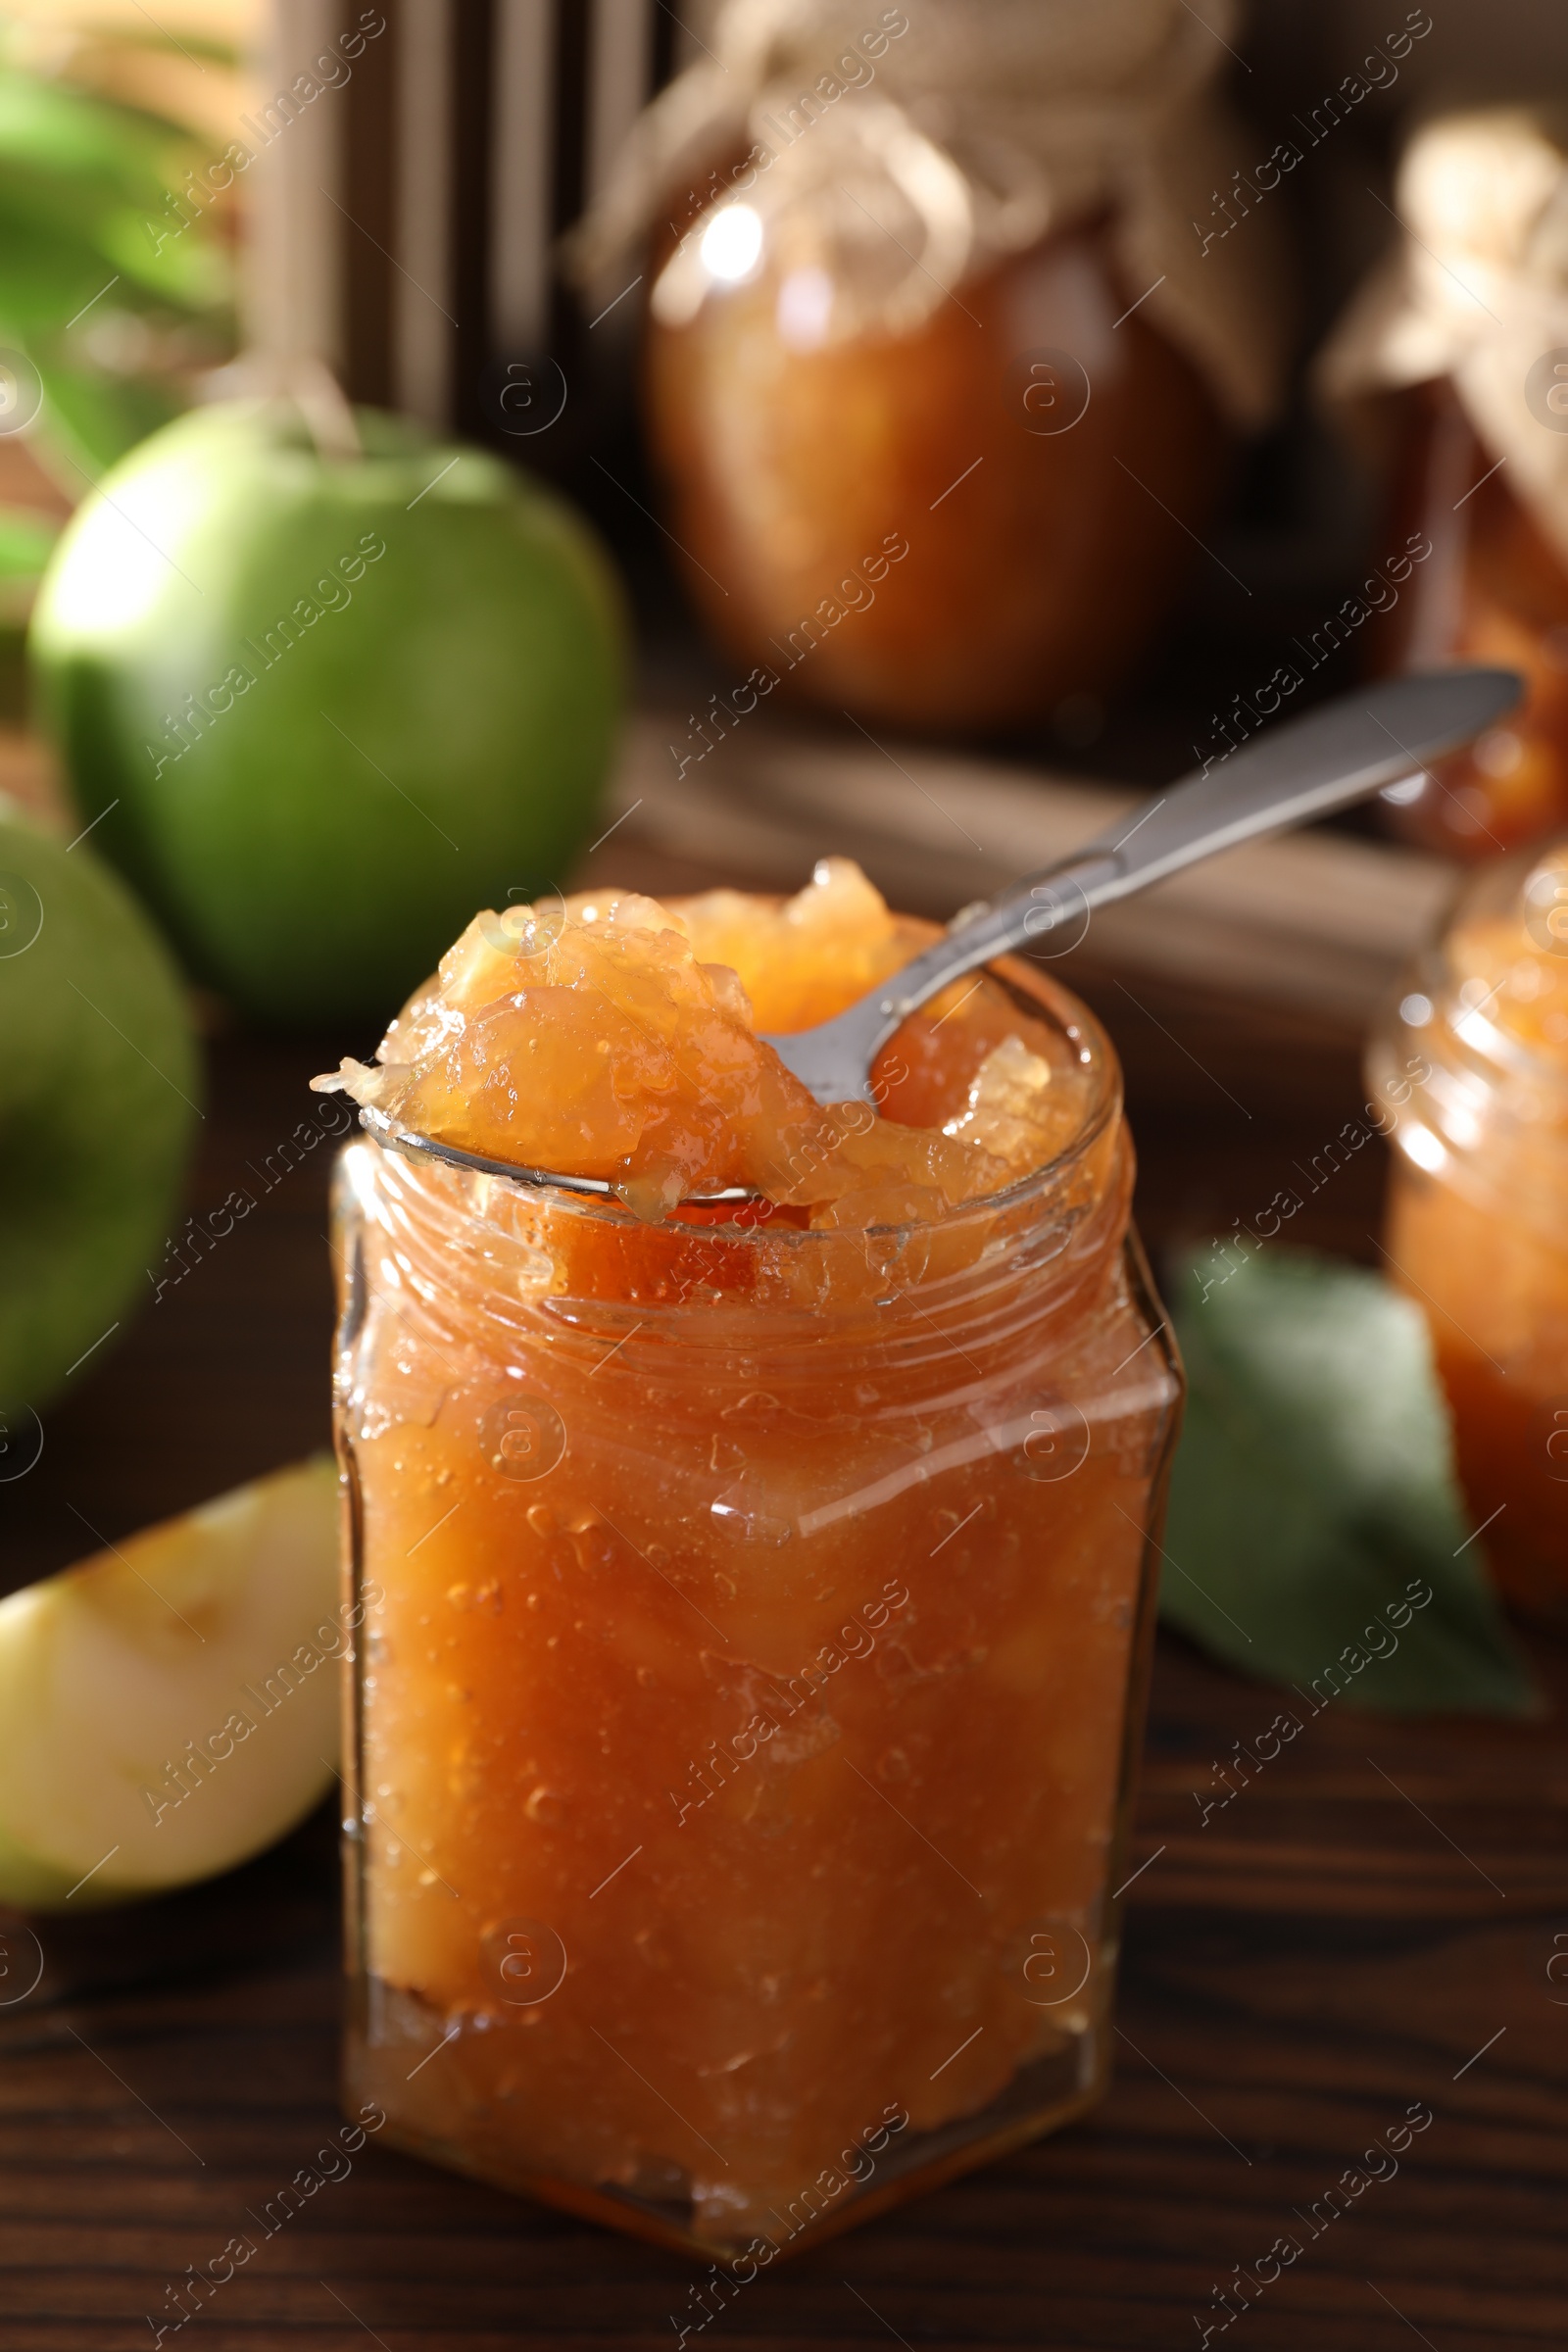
[
  {"x": 91, "y": 419},
  {"x": 89, "y": 185},
  {"x": 27, "y": 539},
  {"x": 1313, "y": 1498},
  {"x": 80, "y": 156}
]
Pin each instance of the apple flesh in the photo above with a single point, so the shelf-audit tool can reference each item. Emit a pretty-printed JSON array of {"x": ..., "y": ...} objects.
[
  {"x": 98, "y": 1090},
  {"x": 326, "y": 706},
  {"x": 171, "y": 1708}
]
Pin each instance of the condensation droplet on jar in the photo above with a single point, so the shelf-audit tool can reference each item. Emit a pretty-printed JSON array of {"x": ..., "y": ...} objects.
[{"x": 487, "y": 1596}]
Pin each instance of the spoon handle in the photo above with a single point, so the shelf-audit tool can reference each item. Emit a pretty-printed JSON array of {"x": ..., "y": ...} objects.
[{"x": 1306, "y": 768}]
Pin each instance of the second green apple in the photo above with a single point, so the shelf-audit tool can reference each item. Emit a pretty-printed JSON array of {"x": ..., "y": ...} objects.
[{"x": 324, "y": 708}]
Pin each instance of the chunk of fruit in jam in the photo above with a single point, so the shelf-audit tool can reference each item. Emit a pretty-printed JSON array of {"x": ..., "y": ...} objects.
[{"x": 609, "y": 1036}]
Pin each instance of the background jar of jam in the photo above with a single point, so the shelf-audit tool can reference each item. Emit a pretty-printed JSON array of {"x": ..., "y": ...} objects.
[
  {"x": 1474, "y": 1056},
  {"x": 1451, "y": 366},
  {"x": 1494, "y": 588},
  {"x": 958, "y": 524},
  {"x": 940, "y": 381},
  {"x": 758, "y": 1620}
]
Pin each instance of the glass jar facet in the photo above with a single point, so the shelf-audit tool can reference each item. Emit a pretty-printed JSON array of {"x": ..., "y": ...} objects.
[{"x": 755, "y": 1635}]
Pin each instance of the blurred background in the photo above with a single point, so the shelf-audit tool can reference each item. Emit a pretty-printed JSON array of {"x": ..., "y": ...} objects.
[{"x": 407, "y": 229}]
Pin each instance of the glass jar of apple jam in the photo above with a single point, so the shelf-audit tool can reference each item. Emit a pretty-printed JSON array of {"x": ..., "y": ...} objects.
[
  {"x": 959, "y": 523},
  {"x": 1493, "y": 588},
  {"x": 1450, "y": 367},
  {"x": 742, "y": 1743},
  {"x": 942, "y": 374},
  {"x": 1475, "y": 1058}
]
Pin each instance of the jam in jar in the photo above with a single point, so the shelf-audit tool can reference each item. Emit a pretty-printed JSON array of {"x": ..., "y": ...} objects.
[
  {"x": 1495, "y": 590},
  {"x": 960, "y": 524},
  {"x": 1451, "y": 366},
  {"x": 1475, "y": 1055},
  {"x": 942, "y": 375}
]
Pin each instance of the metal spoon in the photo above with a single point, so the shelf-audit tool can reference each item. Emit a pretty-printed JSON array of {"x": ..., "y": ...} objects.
[{"x": 1353, "y": 747}]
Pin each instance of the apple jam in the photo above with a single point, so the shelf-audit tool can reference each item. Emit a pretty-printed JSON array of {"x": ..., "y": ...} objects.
[
  {"x": 1496, "y": 591},
  {"x": 604, "y": 1037},
  {"x": 742, "y": 1739},
  {"x": 939, "y": 527},
  {"x": 1477, "y": 1217},
  {"x": 1450, "y": 370}
]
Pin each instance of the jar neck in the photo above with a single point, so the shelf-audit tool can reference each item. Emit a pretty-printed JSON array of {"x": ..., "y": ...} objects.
[
  {"x": 481, "y": 1263},
  {"x": 1467, "y": 1101}
]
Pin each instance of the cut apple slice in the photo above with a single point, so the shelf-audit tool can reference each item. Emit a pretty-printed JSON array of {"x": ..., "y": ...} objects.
[{"x": 172, "y": 1707}]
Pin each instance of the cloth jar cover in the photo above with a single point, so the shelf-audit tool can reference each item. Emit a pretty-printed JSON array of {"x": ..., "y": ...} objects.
[
  {"x": 1477, "y": 291},
  {"x": 999, "y": 121}
]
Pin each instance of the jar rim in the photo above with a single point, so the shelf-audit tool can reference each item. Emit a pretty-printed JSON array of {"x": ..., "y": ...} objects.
[{"x": 1042, "y": 994}]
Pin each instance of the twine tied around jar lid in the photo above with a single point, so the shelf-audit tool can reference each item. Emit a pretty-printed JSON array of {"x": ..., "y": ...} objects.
[
  {"x": 994, "y": 122},
  {"x": 1477, "y": 291}
]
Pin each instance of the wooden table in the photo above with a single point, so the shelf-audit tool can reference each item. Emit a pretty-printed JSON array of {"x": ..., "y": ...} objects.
[{"x": 1370, "y": 1926}]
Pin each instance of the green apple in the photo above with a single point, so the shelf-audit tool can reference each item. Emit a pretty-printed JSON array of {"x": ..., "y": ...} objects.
[
  {"x": 171, "y": 1708},
  {"x": 327, "y": 706},
  {"x": 98, "y": 1087}
]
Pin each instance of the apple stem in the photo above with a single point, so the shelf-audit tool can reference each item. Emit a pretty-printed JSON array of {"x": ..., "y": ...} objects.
[{"x": 328, "y": 416}]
